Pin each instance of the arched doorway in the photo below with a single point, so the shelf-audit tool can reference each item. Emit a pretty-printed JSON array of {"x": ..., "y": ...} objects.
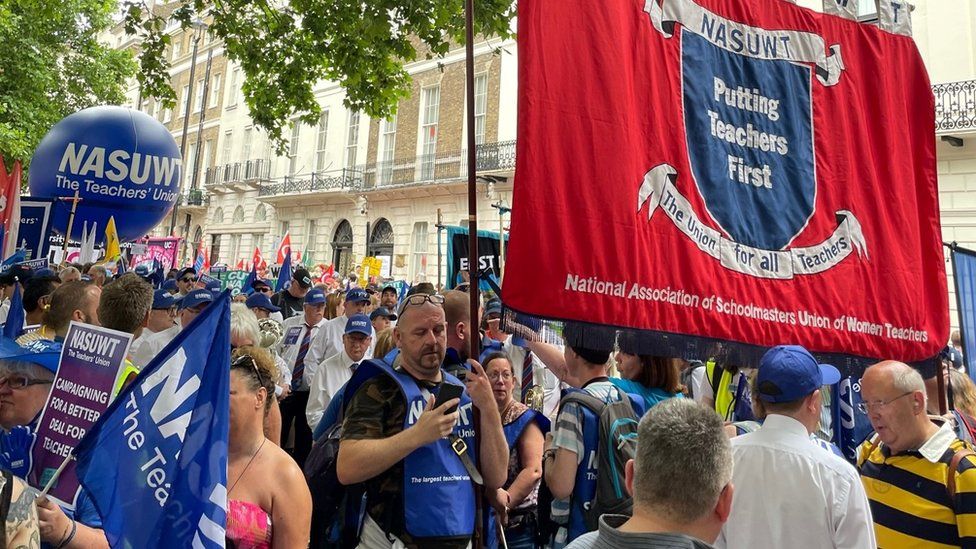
[
  {"x": 342, "y": 248},
  {"x": 380, "y": 245}
]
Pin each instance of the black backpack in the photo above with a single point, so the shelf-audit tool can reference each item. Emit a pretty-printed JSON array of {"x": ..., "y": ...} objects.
[{"x": 333, "y": 503}]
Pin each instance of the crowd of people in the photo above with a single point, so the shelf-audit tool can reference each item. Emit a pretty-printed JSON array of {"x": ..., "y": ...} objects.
[{"x": 375, "y": 396}]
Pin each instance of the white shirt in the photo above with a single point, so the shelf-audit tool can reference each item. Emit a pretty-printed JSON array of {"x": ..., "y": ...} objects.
[
  {"x": 541, "y": 376},
  {"x": 294, "y": 329},
  {"x": 4, "y": 310},
  {"x": 789, "y": 492},
  {"x": 150, "y": 346},
  {"x": 332, "y": 374},
  {"x": 328, "y": 342}
]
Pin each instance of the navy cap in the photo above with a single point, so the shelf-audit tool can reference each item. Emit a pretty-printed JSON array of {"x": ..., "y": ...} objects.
[
  {"x": 196, "y": 297},
  {"x": 163, "y": 299},
  {"x": 357, "y": 295},
  {"x": 170, "y": 285},
  {"x": 952, "y": 355},
  {"x": 390, "y": 288},
  {"x": 214, "y": 286},
  {"x": 257, "y": 300},
  {"x": 789, "y": 372},
  {"x": 382, "y": 311},
  {"x": 46, "y": 271},
  {"x": 43, "y": 352},
  {"x": 493, "y": 307},
  {"x": 359, "y": 324},
  {"x": 143, "y": 270},
  {"x": 184, "y": 271},
  {"x": 314, "y": 297},
  {"x": 260, "y": 282}
]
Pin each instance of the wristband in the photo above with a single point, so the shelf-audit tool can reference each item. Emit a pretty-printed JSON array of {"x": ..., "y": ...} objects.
[{"x": 70, "y": 536}]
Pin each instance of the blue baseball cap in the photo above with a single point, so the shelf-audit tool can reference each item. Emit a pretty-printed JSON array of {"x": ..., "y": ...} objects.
[
  {"x": 184, "y": 271},
  {"x": 170, "y": 285},
  {"x": 46, "y": 271},
  {"x": 261, "y": 282},
  {"x": 164, "y": 300},
  {"x": 952, "y": 355},
  {"x": 214, "y": 286},
  {"x": 357, "y": 295},
  {"x": 493, "y": 307},
  {"x": 789, "y": 372},
  {"x": 359, "y": 324},
  {"x": 43, "y": 352},
  {"x": 143, "y": 270},
  {"x": 196, "y": 297},
  {"x": 257, "y": 300},
  {"x": 382, "y": 311},
  {"x": 314, "y": 297}
]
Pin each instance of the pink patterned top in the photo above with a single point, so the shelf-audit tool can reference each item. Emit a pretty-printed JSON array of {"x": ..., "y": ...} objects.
[{"x": 248, "y": 526}]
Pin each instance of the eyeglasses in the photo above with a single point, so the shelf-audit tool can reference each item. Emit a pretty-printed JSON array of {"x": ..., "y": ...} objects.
[
  {"x": 420, "y": 299},
  {"x": 22, "y": 382},
  {"x": 188, "y": 279},
  {"x": 264, "y": 290},
  {"x": 504, "y": 374},
  {"x": 866, "y": 407},
  {"x": 239, "y": 361}
]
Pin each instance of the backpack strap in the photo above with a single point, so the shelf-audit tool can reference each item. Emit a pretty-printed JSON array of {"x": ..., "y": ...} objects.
[
  {"x": 875, "y": 442},
  {"x": 584, "y": 399},
  {"x": 953, "y": 469}
]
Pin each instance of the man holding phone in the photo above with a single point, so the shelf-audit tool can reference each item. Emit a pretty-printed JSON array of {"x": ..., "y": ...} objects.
[{"x": 416, "y": 455}]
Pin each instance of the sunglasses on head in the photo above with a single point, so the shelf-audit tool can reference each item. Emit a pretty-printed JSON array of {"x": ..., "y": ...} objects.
[
  {"x": 420, "y": 299},
  {"x": 239, "y": 361}
]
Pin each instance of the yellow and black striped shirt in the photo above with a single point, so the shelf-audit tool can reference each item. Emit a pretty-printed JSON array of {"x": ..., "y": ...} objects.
[{"x": 910, "y": 502}]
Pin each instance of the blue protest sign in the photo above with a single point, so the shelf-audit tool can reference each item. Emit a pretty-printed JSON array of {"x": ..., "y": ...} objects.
[
  {"x": 964, "y": 275},
  {"x": 155, "y": 464},
  {"x": 122, "y": 163},
  {"x": 35, "y": 218}
]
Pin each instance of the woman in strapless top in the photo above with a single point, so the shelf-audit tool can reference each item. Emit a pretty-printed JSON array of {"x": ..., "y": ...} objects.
[{"x": 269, "y": 505}]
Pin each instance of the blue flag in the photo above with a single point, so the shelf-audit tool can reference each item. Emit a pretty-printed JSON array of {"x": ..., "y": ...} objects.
[
  {"x": 16, "y": 257},
  {"x": 246, "y": 288},
  {"x": 155, "y": 463},
  {"x": 964, "y": 274},
  {"x": 285, "y": 274},
  {"x": 15, "y": 317}
]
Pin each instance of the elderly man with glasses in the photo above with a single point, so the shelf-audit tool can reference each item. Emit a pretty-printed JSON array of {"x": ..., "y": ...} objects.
[{"x": 919, "y": 477}]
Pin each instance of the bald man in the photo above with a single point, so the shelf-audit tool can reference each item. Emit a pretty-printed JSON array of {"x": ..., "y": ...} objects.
[{"x": 919, "y": 477}]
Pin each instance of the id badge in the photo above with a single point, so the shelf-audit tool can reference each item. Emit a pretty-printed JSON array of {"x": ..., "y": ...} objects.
[{"x": 291, "y": 337}]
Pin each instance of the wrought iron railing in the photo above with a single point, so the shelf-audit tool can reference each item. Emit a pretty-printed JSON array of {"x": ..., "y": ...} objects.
[
  {"x": 194, "y": 197},
  {"x": 442, "y": 166},
  {"x": 250, "y": 170},
  {"x": 346, "y": 178},
  {"x": 955, "y": 106}
]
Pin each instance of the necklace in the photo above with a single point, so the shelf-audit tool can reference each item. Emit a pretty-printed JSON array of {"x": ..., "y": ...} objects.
[{"x": 254, "y": 455}]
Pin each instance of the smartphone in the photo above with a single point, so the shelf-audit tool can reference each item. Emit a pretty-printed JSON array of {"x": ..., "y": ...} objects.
[{"x": 446, "y": 392}]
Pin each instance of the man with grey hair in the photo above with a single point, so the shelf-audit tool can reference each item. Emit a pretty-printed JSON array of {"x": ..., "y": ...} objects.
[
  {"x": 99, "y": 275},
  {"x": 680, "y": 479},
  {"x": 919, "y": 477},
  {"x": 70, "y": 274},
  {"x": 791, "y": 492}
]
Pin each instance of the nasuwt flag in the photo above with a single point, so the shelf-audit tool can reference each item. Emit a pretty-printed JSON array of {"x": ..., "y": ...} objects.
[
  {"x": 155, "y": 463},
  {"x": 9, "y": 208},
  {"x": 754, "y": 172},
  {"x": 284, "y": 249},
  {"x": 284, "y": 275},
  {"x": 14, "y": 324}
]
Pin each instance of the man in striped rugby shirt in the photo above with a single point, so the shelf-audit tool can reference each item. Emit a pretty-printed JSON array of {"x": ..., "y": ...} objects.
[{"x": 919, "y": 477}]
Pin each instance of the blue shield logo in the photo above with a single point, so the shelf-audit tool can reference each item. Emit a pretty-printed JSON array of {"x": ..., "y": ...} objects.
[{"x": 749, "y": 128}]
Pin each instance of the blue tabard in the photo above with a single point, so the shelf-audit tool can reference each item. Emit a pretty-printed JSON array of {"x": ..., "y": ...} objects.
[
  {"x": 512, "y": 433},
  {"x": 434, "y": 479}
]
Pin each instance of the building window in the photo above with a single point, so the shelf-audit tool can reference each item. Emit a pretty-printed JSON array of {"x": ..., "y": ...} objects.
[
  {"x": 380, "y": 245},
  {"x": 239, "y": 214},
  {"x": 207, "y": 160},
  {"x": 218, "y": 215},
  {"x": 186, "y": 100},
  {"x": 320, "y": 141},
  {"x": 283, "y": 227},
  {"x": 167, "y": 115},
  {"x": 429, "y": 114},
  {"x": 388, "y": 148},
  {"x": 311, "y": 232},
  {"x": 257, "y": 241},
  {"x": 177, "y": 46},
  {"x": 235, "y": 78},
  {"x": 215, "y": 249},
  {"x": 352, "y": 139},
  {"x": 342, "y": 249},
  {"x": 214, "y": 91},
  {"x": 191, "y": 158},
  {"x": 235, "y": 246},
  {"x": 418, "y": 263},
  {"x": 260, "y": 214},
  {"x": 198, "y": 102},
  {"x": 480, "y": 106},
  {"x": 228, "y": 144},
  {"x": 296, "y": 130},
  {"x": 246, "y": 146}
]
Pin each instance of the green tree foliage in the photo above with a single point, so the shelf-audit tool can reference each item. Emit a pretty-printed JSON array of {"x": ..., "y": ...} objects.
[
  {"x": 286, "y": 47},
  {"x": 53, "y": 64}
]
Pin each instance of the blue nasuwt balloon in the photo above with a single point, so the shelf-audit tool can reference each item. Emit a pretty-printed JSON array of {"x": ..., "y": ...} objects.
[{"x": 123, "y": 162}]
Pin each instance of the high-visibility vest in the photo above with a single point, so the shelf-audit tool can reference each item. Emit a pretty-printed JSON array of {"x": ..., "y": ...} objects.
[{"x": 724, "y": 390}]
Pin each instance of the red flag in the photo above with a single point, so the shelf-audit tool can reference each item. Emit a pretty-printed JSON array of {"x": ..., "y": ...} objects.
[
  {"x": 206, "y": 261},
  {"x": 711, "y": 169},
  {"x": 283, "y": 249},
  {"x": 9, "y": 208},
  {"x": 240, "y": 265}
]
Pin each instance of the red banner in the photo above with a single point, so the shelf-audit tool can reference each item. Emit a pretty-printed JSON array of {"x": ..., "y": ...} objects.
[
  {"x": 753, "y": 172},
  {"x": 164, "y": 249}
]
